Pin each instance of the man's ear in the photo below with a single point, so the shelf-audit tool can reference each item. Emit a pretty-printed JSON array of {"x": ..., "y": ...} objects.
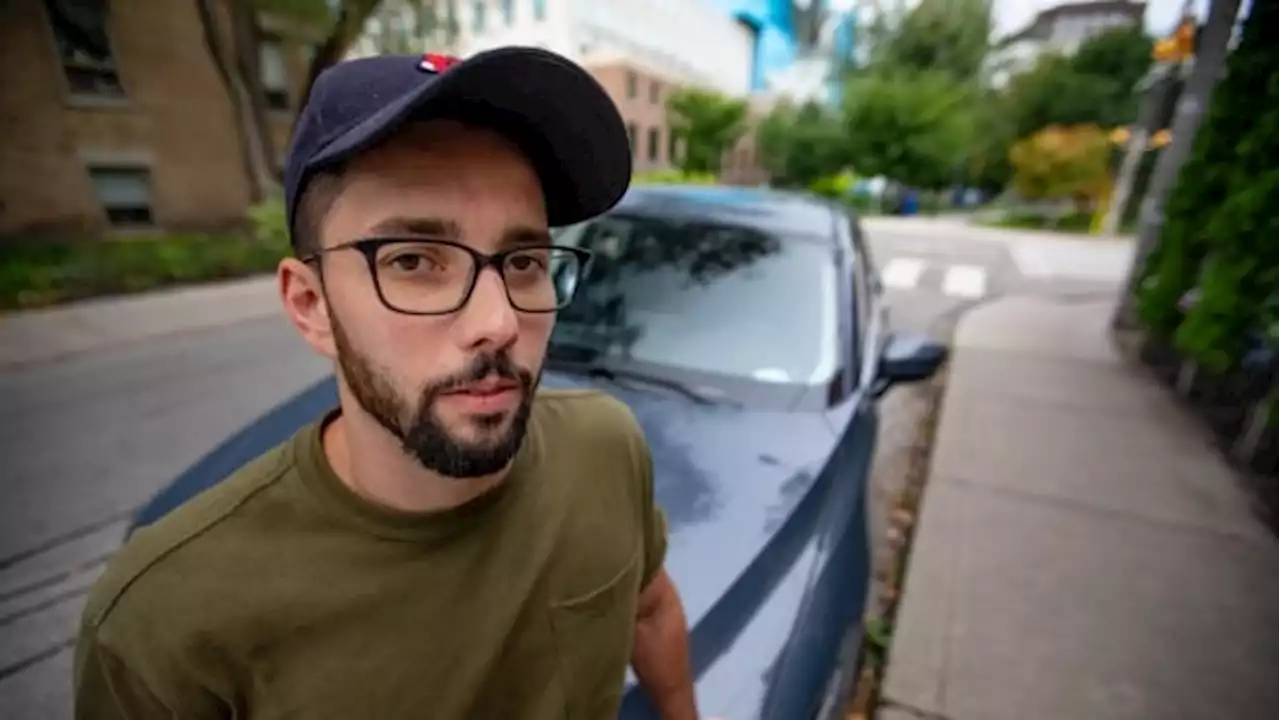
[{"x": 302, "y": 294}]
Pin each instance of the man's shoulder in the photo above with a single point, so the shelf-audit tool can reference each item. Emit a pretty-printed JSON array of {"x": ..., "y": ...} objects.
[
  {"x": 162, "y": 560},
  {"x": 588, "y": 413}
]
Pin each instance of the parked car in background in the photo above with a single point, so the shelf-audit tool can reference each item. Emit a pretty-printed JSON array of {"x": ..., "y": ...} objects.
[{"x": 746, "y": 330}]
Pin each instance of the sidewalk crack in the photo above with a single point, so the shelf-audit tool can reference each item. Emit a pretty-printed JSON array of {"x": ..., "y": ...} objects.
[
  {"x": 888, "y": 702},
  {"x": 912, "y": 710}
]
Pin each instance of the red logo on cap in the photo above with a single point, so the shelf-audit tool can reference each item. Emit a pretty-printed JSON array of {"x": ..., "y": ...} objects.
[{"x": 436, "y": 63}]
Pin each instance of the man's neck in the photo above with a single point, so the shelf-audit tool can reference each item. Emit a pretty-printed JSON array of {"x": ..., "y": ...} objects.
[{"x": 370, "y": 461}]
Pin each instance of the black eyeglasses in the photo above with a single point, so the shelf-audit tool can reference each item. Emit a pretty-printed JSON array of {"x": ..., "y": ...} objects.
[{"x": 416, "y": 276}]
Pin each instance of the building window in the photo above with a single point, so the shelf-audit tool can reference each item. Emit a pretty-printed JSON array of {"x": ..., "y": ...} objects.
[
  {"x": 125, "y": 193},
  {"x": 632, "y": 83},
  {"x": 477, "y": 16},
  {"x": 539, "y": 10},
  {"x": 631, "y": 137},
  {"x": 275, "y": 80},
  {"x": 509, "y": 12},
  {"x": 673, "y": 147},
  {"x": 655, "y": 92},
  {"x": 655, "y": 142},
  {"x": 80, "y": 32}
]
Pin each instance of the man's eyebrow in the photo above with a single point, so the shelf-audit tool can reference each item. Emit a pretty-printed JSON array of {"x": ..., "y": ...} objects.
[
  {"x": 417, "y": 226},
  {"x": 523, "y": 237}
]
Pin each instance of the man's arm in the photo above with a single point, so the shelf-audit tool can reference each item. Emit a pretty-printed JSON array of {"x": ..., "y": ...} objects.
[{"x": 661, "y": 655}]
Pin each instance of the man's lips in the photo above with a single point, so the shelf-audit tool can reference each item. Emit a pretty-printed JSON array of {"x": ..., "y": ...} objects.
[
  {"x": 485, "y": 388},
  {"x": 487, "y": 397}
]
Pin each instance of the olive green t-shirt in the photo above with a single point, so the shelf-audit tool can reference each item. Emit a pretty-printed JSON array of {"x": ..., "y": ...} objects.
[{"x": 280, "y": 593}]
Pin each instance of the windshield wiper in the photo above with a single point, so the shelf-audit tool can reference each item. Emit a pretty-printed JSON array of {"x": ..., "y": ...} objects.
[{"x": 613, "y": 374}]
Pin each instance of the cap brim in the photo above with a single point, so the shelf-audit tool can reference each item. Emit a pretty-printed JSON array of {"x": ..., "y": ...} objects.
[{"x": 559, "y": 116}]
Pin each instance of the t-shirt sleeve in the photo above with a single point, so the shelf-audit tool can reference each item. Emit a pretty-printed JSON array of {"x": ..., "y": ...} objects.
[
  {"x": 653, "y": 521},
  {"x": 107, "y": 688}
]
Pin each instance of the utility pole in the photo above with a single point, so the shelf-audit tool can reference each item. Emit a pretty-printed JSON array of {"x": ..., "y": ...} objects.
[
  {"x": 1160, "y": 83},
  {"x": 1210, "y": 61},
  {"x": 1172, "y": 56}
]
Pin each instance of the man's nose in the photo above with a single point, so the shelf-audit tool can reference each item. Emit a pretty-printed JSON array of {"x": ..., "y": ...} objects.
[{"x": 488, "y": 317}]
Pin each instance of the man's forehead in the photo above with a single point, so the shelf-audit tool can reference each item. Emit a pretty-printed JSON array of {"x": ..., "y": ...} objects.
[{"x": 443, "y": 228}]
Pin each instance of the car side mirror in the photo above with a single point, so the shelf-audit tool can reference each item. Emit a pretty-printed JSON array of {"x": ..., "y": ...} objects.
[{"x": 908, "y": 358}]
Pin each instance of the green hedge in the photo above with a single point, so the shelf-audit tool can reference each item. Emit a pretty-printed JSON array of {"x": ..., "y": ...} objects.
[
  {"x": 672, "y": 177},
  {"x": 1220, "y": 226},
  {"x": 37, "y": 273}
]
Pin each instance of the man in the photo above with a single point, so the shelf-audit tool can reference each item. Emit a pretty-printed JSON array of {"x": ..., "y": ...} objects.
[{"x": 449, "y": 542}]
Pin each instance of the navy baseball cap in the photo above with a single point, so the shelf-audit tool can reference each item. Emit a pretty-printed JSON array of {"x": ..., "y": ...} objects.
[{"x": 553, "y": 110}]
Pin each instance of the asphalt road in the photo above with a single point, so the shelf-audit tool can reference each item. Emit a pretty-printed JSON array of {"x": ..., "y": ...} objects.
[{"x": 86, "y": 439}]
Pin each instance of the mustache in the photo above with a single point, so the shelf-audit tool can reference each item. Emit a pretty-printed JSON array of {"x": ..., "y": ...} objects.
[{"x": 480, "y": 367}]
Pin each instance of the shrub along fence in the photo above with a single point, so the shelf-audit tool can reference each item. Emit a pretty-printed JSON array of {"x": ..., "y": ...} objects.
[
  {"x": 1208, "y": 295},
  {"x": 39, "y": 273}
]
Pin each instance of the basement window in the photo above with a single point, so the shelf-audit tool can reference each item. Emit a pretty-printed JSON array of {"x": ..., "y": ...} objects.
[
  {"x": 275, "y": 80},
  {"x": 125, "y": 193},
  {"x": 80, "y": 34}
]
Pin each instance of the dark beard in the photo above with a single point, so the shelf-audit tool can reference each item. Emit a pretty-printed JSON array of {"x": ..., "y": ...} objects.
[{"x": 420, "y": 432}]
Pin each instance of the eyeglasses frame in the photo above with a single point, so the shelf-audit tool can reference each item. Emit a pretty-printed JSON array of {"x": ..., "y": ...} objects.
[{"x": 369, "y": 247}]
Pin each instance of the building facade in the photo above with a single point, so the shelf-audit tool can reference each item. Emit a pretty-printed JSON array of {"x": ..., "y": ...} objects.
[
  {"x": 639, "y": 50},
  {"x": 800, "y": 44},
  {"x": 686, "y": 41},
  {"x": 113, "y": 115},
  {"x": 1061, "y": 29}
]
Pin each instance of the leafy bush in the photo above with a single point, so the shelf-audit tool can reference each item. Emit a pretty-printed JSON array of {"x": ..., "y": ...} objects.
[
  {"x": 673, "y": 177},
  {"x": 834, "y": 186},
  {"x": 38, "y": 273},
  {"x": 1221, "y": 220},
  {"x": 269, "y": 224},
  {"x": 1062, "y": 162}
]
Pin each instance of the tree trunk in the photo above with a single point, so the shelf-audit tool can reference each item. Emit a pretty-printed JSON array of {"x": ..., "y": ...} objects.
[
  {"x": 247, "y": 43},
  {"x": 350, "y": 22},
  {"x": 214, "y": 45},
  {"x": 257, "y": 170}
]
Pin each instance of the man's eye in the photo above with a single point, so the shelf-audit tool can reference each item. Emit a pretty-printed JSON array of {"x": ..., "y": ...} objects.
[
  {"x": 408, "y": 262},
  {"x": 526, "y": 263}
]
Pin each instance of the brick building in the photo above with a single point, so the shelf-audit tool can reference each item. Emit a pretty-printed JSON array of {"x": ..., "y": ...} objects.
[
  {"x": 641, "y": 97},
  {"x": 113, "y": 114}
]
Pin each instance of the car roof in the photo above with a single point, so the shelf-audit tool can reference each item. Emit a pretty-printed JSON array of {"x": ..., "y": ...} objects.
[{"x": 778, "y": 212}]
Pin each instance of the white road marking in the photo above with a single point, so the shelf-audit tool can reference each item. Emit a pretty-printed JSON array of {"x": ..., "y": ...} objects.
[
  {"x": 902, "y": 273},
  {"x": 967, "y": 281}
]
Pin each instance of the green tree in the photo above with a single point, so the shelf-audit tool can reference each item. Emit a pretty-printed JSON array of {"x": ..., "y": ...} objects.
[
  {"x": 910, "y": 112},
  {"x": 988, "y": 165},
  {"x": 913, "y": 126},
  {"x": 707, "y": 124},
  {"x": 800, "y": 145},
  {"x": 1122, "y": 54},
  {"x": 1095, "y": 86},
  {"x": 951, "y": 36}
]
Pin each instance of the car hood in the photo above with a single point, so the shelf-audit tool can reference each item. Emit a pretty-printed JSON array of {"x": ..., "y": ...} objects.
[{"x": 727, "y": 479}]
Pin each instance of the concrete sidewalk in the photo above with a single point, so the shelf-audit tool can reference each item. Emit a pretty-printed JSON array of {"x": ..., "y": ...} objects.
[
  {"x": 43, "y": 335},
  {"x": 1082, "y": 552}
]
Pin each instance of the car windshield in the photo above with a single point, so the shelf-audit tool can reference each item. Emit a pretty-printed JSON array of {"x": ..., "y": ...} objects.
[{"x": 727, "y": 300}]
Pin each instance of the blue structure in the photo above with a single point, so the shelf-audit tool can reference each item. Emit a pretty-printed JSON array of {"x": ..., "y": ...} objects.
[{"x": 779, "y": 43}]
